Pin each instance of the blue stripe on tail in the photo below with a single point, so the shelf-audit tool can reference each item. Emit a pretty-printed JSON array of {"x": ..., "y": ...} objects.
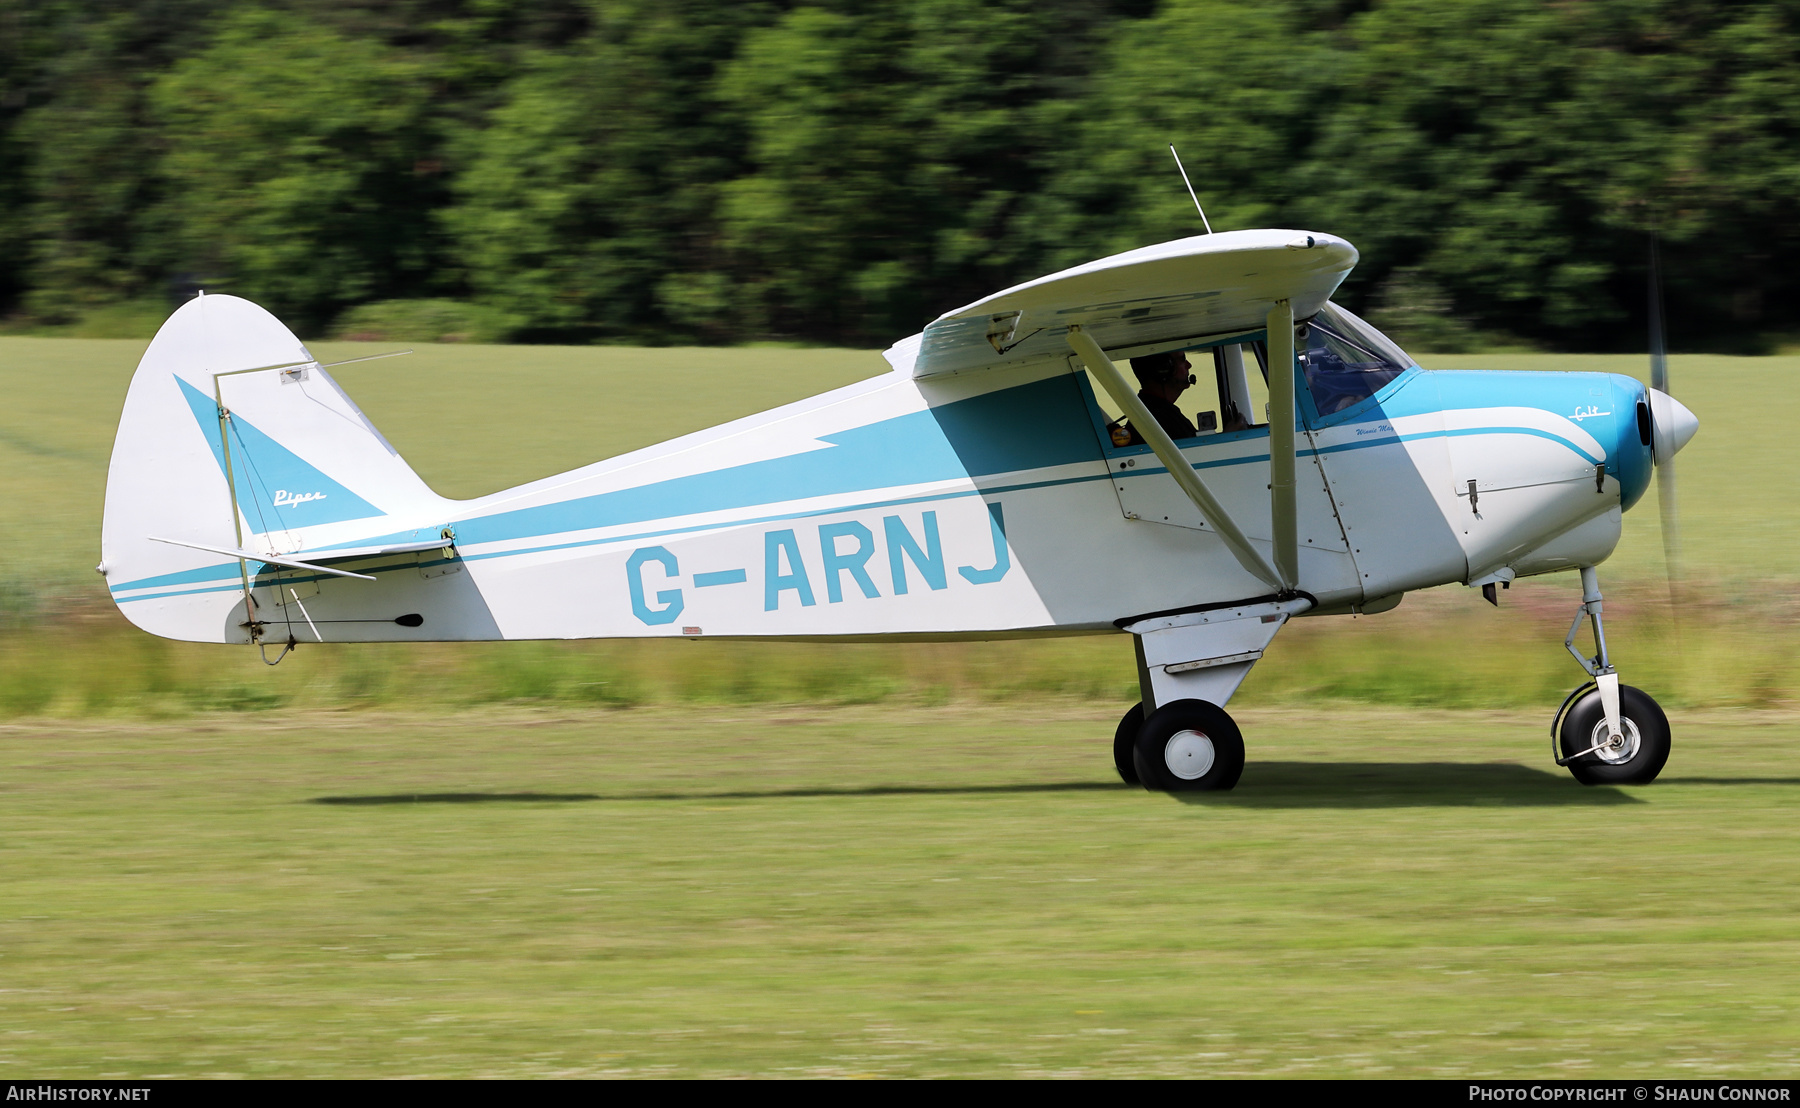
[{"x": 277, "y": 489}]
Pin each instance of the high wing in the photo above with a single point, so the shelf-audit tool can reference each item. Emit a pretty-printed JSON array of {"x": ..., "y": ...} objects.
[{"x": 1206, "y": 286}]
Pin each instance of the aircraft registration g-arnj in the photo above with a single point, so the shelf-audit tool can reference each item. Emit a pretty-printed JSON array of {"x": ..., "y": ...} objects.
[{"x": 976, "y": 491}]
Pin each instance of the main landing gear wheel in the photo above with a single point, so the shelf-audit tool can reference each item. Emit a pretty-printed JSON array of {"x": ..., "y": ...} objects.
[
  {"x": 1125, "y": 741},
  {"x": 1189, "y": 746},
  {"x": 1634, "y": 759}
]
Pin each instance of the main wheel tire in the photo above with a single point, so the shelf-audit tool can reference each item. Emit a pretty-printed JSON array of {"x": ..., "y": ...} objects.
[
  {"x": 1637, "y": 760},
  {"x": 1125, "y": 741},
  {"x": 1189, "y": 746}
]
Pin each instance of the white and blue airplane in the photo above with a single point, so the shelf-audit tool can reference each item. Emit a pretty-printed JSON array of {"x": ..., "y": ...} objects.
[{"x": 979, "y": 490}]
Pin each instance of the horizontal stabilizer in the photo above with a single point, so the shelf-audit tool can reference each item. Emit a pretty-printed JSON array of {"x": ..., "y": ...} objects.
[
  {"x": 346, "y": 553},
  {"x": 271, "y": 559}
]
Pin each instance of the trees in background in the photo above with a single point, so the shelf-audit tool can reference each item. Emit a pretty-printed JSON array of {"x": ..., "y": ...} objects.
[
  {"x": 1517, "y": 156},
  {"x": 892, "y": 154},
  {"x": 586, "y": 199},
  {"x": 1499, "y": 163},
  {"x": 79, "y": 146},
  {"x": 300, "y": 164},
  {"x": 695, "y": 170}
]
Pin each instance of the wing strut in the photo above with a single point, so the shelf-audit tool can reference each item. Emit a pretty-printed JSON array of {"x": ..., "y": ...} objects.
[{"x": 1185, "y": 476}]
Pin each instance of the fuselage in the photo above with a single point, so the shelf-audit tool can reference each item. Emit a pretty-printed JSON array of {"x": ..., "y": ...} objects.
[{"x": 999, "y": 506}]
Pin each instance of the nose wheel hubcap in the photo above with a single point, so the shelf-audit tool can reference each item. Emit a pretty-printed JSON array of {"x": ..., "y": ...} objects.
[{"x": 1616, "y": 751}]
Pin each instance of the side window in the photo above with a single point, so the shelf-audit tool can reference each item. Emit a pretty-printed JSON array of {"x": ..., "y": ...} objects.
[
  {"x": 1243, "y": 386},
  {"x": 1110, "y": 411},
  {"x": 1201, "y": 400},
  {"x": 1222, "y": 390}
]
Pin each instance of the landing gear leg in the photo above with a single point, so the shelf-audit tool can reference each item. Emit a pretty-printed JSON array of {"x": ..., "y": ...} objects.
[
  {"x": 1606, "y": 733},
  {"x": 1189, "y": 662}
]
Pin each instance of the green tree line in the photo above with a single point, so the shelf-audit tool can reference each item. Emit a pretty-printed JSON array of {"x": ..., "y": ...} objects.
[{"x": 843, "y": 171}]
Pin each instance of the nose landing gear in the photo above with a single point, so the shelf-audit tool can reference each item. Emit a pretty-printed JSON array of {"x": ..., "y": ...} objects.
[{"x": 1606, "y": 733}]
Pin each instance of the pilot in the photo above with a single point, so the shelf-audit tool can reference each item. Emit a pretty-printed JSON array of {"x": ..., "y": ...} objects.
[{"x": 1164, "y": 377}]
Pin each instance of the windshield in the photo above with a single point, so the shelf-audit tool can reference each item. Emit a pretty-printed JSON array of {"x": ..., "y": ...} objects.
[{"x": 1346, "y": 360}]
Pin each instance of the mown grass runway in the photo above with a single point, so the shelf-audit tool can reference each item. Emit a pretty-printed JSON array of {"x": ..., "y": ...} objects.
[{"x": 953, "y": 891}]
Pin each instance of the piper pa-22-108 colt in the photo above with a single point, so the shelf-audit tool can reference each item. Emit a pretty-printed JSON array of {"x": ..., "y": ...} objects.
[{"x": 979, "y": 490}]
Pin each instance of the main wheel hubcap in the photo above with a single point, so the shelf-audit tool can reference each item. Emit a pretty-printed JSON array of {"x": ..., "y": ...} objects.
[
  {"x": 1618, "y": 751},
  {"x": 1189, "y": 755}
]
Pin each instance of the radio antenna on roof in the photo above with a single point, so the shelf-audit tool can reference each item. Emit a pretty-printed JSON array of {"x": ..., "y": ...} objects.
[{"x": 1190, "y": 187}]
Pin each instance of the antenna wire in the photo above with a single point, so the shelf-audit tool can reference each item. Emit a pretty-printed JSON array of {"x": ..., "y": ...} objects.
[{"x": 1204, "y": 222}]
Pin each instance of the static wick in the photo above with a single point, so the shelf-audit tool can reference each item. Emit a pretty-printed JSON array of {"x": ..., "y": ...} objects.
[{"x": 1190, "y": 187}]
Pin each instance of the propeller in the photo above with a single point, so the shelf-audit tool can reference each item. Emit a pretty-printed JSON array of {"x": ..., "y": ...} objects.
[
  {"x": 1671, "y": 426},
  {"x": 1659, "y": 380}
]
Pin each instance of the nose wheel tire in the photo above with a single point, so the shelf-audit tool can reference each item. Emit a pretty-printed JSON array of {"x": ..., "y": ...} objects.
[
  {"x": 1188, "y": 746},
  {"x": 1635, "y": 759},
  {"x": 1124, "y": 741}
]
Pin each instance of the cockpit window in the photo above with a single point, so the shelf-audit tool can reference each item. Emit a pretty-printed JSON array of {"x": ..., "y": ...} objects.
[{"x": 1346, "y": 360}]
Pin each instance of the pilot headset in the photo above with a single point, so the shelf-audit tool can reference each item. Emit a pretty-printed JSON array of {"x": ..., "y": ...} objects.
[{"x": 1158, "y": 369}]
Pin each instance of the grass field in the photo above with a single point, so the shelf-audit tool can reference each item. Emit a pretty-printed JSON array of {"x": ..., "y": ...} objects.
[{"x": 957, "y": 891}]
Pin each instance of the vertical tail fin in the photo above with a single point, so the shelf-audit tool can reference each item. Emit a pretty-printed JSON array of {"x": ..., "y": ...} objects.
[{"x": 234, "y": 436}]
